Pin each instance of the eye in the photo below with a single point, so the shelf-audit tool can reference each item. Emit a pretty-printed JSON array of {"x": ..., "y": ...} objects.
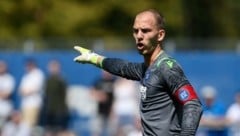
[
  {"x": 135, "y": 31},
  {"x": 146, "y": 30}
]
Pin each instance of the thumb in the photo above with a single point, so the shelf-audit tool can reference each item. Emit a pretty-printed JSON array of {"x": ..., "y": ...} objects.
[
  {"x": 80, "y": 58},
  {"x": 81, "y": 49}
]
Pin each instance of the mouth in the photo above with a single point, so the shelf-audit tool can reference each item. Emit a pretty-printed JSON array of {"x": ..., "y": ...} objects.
[{"x": 140, "y": 46}]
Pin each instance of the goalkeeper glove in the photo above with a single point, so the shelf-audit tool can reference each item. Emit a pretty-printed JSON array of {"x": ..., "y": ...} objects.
[{"x": 88, "y": 56}]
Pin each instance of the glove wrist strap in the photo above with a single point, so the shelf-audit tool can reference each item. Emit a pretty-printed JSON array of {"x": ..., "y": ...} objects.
[{"x": 96, "y": 59}]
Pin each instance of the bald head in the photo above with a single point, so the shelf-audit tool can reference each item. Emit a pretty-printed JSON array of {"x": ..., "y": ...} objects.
[{"x": 158, "y": 18}]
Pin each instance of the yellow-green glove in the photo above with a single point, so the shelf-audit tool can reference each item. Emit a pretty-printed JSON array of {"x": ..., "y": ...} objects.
[{"x": 88, "y": 56}]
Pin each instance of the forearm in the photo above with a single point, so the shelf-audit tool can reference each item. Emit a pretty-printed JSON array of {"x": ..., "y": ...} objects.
[
  {"x": 122, "y": 68},
  {"x": 192, "y": 112},
  {"x": 115, "y": 66}
]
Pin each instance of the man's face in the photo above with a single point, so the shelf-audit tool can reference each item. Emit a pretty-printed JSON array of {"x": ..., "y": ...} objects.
[{"x": 146, "y": 33}]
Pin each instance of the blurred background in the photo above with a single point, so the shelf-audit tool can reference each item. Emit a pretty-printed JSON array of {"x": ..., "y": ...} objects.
[{"x": 202, "y": 35}]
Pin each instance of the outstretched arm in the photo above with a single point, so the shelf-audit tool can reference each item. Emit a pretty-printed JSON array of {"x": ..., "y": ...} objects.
[{"x": 115, "y": 66}]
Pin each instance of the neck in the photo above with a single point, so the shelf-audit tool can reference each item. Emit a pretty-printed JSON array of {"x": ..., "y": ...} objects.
[{"x": 149, "y": 59}]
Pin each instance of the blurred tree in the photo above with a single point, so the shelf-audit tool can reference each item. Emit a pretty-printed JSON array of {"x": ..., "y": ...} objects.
[
  {"x": 198, "y": 18},
  {"x": 41, "y": 19}
]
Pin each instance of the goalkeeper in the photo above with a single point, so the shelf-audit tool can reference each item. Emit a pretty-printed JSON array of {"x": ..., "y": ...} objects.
[{"x": 169, "y": 104}]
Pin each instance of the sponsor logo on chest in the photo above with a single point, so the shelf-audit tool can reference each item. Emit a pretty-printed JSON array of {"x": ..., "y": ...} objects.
[{"x": 143, "y": 92}]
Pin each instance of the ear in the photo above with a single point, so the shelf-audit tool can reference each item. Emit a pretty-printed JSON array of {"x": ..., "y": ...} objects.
[{"x": 161, "y": 35}]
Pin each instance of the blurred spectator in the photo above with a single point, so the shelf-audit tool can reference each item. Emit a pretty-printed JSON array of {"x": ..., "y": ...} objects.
[
  {"x": 7, "y": 84},
  {"x": 55, "y": 110},
  {"x": 15, "y": 126},
  {"x": 233, "y": 116},
  {"x": 31, "y": 89},
  {"x": 213, "y": 121},
  {"x": 137, "y": 130},
  {"x": 125, "y": 107},
  {"x": 102, "y": 92}
]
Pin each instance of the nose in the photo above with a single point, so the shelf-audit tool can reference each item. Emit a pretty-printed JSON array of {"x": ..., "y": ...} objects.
[{"x": 139, "y": 35}]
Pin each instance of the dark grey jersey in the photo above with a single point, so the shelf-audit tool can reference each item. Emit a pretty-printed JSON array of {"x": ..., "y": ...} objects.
[{"x": 161, "y": 108}]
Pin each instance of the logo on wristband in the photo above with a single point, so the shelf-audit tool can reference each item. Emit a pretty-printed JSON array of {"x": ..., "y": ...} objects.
[{"x": 183, "y": 95}]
